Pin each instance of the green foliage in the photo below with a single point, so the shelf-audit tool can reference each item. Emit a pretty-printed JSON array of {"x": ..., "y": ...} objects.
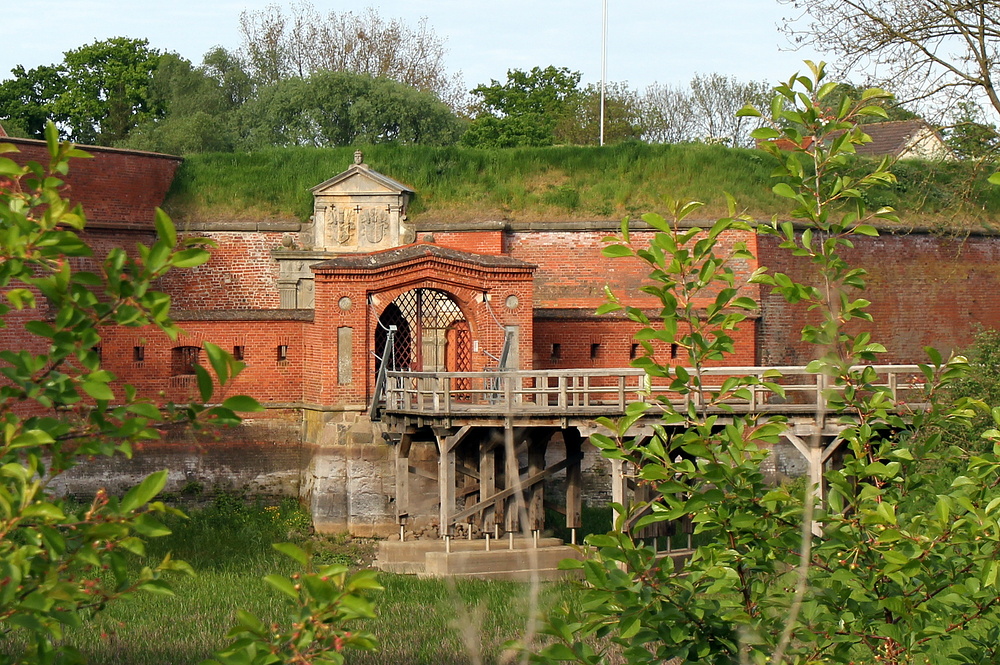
[
  {"x": 96, "y": 95},
  {"x": 60, "y": 563},
  {"x": 971, "y": 136},
  {"x": 323, "y": 605},
  {"x": 623, "y": 118},
  {"x": 891, "y": 564},
  {"x": 196, "y": 104},
  {"x": 525, "y": 110},
  {"x": 106, "y": 89},
  {"x": 343, "y": 109},
  {"x": 26, "y": 101},
  {"x": 458, "y": 183}
]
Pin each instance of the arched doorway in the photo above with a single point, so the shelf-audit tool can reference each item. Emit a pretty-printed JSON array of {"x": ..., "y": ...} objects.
[{"x": 432, "y": 334}]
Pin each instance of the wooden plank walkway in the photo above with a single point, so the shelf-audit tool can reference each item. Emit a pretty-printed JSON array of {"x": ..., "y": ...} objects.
[{"x": 607, "y": 392}]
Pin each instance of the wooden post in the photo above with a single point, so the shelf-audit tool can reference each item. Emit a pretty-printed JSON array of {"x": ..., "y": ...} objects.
[
  {"x": 511, "y": 478},
  {"x": 446, "y": 484},
  {"x": 617, "y": 486},
  {"x": 536, "y": 493},
  {"x": 403, "y": 476},
  {"x": 487, "y": 481},
  {"x": 574, "y": 477}
]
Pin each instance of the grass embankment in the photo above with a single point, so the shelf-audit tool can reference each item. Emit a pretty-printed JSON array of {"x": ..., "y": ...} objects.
[
  {"x": 560, "y": 183},
  {"x": 419, "y": 622},
  {"x": 229, "y": 544}
]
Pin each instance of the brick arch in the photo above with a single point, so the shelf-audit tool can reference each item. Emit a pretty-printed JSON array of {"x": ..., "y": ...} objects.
[{"x": 377, "y": 279}]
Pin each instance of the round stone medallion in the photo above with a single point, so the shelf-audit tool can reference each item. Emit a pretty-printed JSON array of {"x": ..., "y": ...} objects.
[
  {"x": 511, "y": 302},
  {"x": 345, "y": 303}
]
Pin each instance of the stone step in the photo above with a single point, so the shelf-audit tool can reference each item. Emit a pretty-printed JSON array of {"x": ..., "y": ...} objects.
[
  {"x": 499, "y": 564},
  {"x": 394, "y": 552},
  {"x": 511, "y": 559}
]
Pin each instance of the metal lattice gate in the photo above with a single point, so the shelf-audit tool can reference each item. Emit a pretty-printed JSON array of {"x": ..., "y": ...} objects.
[{"x": 432, "y": 334}]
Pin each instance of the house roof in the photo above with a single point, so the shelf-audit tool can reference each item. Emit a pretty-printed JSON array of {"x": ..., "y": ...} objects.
[
  {"x": 892, "y": 138},
  {"x": 2, "y": 132}
]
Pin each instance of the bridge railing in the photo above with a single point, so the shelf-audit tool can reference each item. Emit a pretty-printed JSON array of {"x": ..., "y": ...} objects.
[{"x": 608, "y": 391}]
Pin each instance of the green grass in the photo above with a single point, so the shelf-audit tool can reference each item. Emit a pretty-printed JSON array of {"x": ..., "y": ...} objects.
[
  {"x": 418, "y": 622},
  {"x": 228, "y": 541},
  {"x": 565, "y": 183}
]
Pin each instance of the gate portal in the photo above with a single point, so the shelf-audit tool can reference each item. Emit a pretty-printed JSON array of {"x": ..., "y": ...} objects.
[{"x": 432, "y": 334}]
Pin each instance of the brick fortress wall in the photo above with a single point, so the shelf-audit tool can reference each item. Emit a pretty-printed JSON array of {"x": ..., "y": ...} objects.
[{"x": 925, "y": 289}]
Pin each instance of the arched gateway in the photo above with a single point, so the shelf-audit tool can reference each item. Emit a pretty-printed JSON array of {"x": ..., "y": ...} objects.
[{"x": 431, "y": 333}]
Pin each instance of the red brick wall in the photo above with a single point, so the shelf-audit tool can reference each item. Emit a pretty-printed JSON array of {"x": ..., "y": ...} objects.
[
  {"x": 463, "y": 283},
  {"x": 265, "y": 378},
  {"x": 572, "y": 272},
  {"x": 615, "y": 341},
  {"x": 240, "y": 275},
  {"x": 477, "y": 242},
  {"x": 117, "y": 188},
  {"x": 926, "y": 290}
]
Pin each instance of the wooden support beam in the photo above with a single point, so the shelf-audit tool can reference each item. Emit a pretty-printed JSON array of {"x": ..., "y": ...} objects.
[
  {"x": 455, "y": 439},
  {"x": 487, "y": 482},
  {"x": 403, "y": 449},
  {"x": 526, "y": 481},
  {"x": 574, "y": 478},
  {"x": 617, "y": 485},
  {"x": 423, "y": 473},
  {"x": 511, "y": 480},
  {"x": 536, "y": 493},
  {"x": 446, "y": 486},
  {"x": 402, "y": 485}
]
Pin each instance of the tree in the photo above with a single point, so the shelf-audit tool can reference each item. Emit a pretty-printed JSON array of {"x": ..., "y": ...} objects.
[
  {"x": 925, "y": 48},
  {"x": 60, "y": 562},
  {"x": 969, "y": 136},
  {"x": 582, "y": 123},
  {"x": 26, "y": 101},
  {"x": 667, "y": 114},
  {"x": 107, "y": 86},
  {"x": 704, "y": 111},
  {"x": 341, "y": 108},
  {"x": 896, "y": 561},
  {"x": 525, "y": 110},
  {"x": 197, "y": 105},
  {"x": 277, "y": 46}
]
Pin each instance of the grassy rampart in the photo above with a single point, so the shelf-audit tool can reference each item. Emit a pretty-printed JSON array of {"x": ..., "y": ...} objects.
[{"x": 560, "y": 183}]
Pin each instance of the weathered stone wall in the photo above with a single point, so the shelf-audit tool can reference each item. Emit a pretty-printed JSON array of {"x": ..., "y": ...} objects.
[
  {"x": 263, "y": 455},
  {"x": 349, "y": 482}
]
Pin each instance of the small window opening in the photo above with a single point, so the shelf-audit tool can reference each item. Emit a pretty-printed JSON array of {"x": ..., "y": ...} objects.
[
  {"x": 238, "y": 352},
  {"x": 138, "y": 354},
  {"x": 556, "y": 351},
  {"x": 282, "y": 353},
  {"x": 673, "y": 351},
  {"x": 183, "y": 359},
  {"x": 595, "y": 351},
  {"x": 100, "y": 353},
  {"x": 633, "y": 352}
]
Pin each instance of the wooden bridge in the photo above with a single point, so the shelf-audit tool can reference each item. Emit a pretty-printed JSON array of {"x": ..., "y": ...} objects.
[{"x": 490, "y": 432}]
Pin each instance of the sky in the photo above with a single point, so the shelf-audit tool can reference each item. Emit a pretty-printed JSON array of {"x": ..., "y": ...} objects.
[{"x": 665, "y": 41}]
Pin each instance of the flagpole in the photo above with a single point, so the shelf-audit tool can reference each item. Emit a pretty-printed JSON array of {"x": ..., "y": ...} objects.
[{"x": 604, "y": 63}]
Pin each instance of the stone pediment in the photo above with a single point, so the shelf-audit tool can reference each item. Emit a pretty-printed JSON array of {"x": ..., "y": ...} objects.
[
  {"x": 360, "y": 179},
  {"x": 359, "y": 210}
]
